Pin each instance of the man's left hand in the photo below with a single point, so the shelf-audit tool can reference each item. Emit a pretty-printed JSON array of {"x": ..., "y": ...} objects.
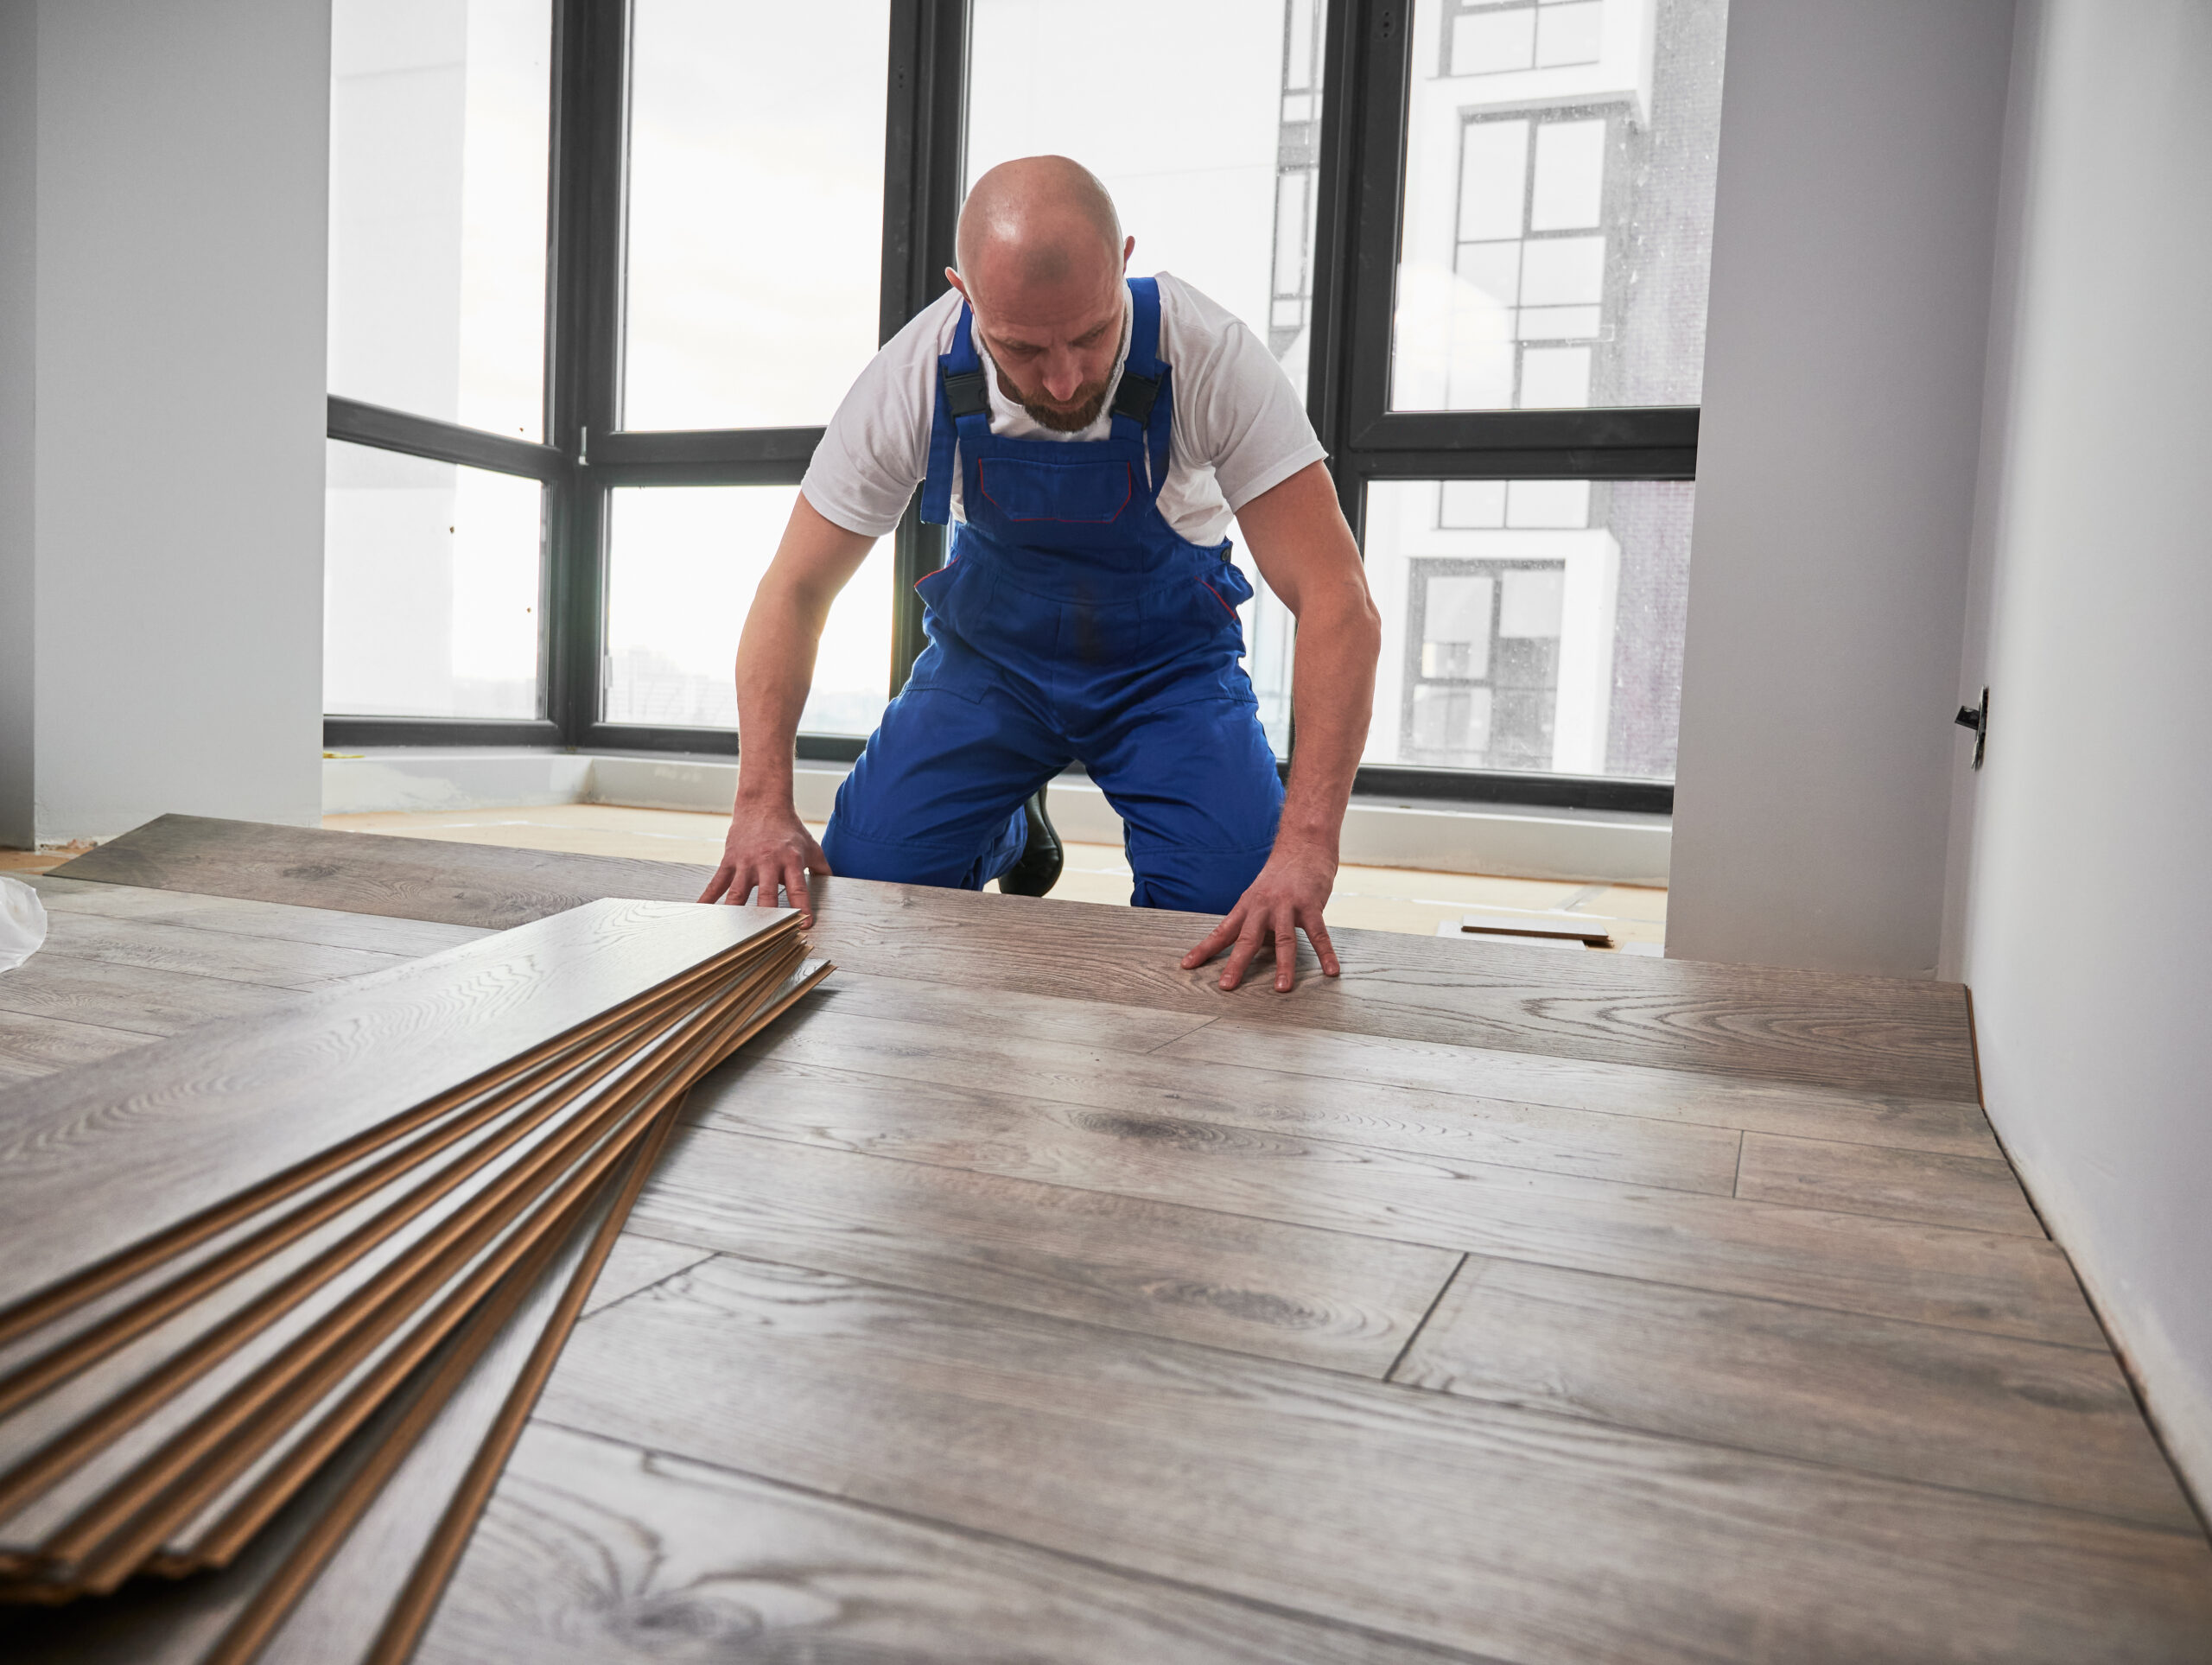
[{"x": 1286, "y": 899}]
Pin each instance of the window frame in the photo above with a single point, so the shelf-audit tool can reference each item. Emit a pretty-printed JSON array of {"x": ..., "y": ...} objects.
[{"x": 1365, "y": 87}]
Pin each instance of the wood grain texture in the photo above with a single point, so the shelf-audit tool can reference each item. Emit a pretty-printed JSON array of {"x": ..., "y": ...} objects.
[
  {"x": 1903, "y": 1123},
  {"x": 1468, "y": 1525},
  {"x": 159, "y": 947},
  {"x": 955, "y": 1008},
  {"x": 406, "y": 1618},
  {"x": 1879, "y": 1034},
  {"x": 129, "y": 997},
  {"x": 176, "y": 1622},
  {"x": 1319, "y": 1298},
  {"x": 337, "y": 1619},
  {"x": 1976, "y": 1192},
  {"x": 640, "y": 1263},
  {"x": 278, "y": 920},
  {"x": 158, "y": 1621},
  {"x": 1680, "y": 1157},
  {"x": 2017, "y": 1419},
  {"x": 38, "y": 1047},
  {"x": 367, "y": 873},
  {"x": 594, "y": 1553},
  {"x": 1978, "y": 1281},
  {"x": 147, "y": 1139}
]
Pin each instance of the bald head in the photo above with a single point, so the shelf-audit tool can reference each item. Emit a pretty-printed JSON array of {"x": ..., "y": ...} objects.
[
  {"x": 1038, "y": 223},
  {"x": 1041, "y": 256}
]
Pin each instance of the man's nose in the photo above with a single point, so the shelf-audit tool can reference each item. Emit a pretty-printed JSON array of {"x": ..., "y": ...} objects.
[{"x": 1062, "y": 377}]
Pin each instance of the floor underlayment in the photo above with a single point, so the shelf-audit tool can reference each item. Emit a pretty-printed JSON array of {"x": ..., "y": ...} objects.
[{"x": 1376, "y": 898}]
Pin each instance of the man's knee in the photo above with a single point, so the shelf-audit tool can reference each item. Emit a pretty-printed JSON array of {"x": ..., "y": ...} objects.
[
  {"x": 1194, "y": 882},
  {"x": 966, "y": 865}
]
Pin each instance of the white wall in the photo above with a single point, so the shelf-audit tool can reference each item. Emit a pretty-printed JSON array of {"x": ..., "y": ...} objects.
[
  {"x": 1852, "y": 241},
  {"x": 18, "y": 199},
  {"x": 178, "y": 233},
  {"x": 2083, "y": 919}
]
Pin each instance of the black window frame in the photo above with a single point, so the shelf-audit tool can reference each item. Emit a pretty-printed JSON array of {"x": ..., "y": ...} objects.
[{"x": 1365, "y": 78}]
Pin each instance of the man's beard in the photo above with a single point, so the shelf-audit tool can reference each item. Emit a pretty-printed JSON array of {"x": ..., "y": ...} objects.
[{"x": 1090, "y": 402}]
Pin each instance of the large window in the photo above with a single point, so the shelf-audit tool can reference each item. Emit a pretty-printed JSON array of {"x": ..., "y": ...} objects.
[{"x": 600, "y": 270}]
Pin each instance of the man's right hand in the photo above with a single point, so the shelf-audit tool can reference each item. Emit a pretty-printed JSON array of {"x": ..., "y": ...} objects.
[{"x": 768, "y": 847}]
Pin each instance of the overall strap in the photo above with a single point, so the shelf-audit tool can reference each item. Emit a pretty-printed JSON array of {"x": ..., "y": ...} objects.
[
  {"x": 1143, "y": 404},
  {"x": 961, "y": 407}
]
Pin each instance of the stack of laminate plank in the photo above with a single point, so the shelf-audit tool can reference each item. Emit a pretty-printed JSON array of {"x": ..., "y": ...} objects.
[{"x": 285, "y": 1263}]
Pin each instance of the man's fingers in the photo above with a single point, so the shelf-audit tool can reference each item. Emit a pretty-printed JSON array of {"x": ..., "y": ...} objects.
[
  {"x": 1216, "y": 939},
  {"x": 1286, "y": 930},
  {"x": 815, "y": 860},
  {"x": 795, "y": 887},
  {"x": 1318, "y": 934},
  {"x": 1247, "y": 945},
  {"x": 717, "y": 885}
]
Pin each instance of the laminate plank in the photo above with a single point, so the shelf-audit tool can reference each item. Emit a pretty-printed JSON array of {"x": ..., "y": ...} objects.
[
  {"x": 638, "y": 1263},
  {"x": 2017, "y": 1419},
  {"x": 120, "y": 1150},
  {"x": 387, "y": 1579},
  {"x": 1320, "y": 1297},
  {"x": 1950, "y": 1127},
  {"x": 176, "y": 1621},
  {"x": 1467, "y": 1525},
  {"x": 371, "y": 873},
  {"x": 211, "y": 953},
  {"x": 594, "y": 1553},
  {"x": 279, "y": 920},
  {"x": 1977, "y": 1192},
  {"x": 325, "y": 1313},
  {"x": 953, "y": 1008},
  {"x": 128, "y": 997},
  {"x": 1879, "y": 1034},
  {"x": 1678, "y": 1157},
  {"x": 36, "y": 1047},
  {"x": 1974, "y": 1281},
  {"x": 160, "y": 1622}
]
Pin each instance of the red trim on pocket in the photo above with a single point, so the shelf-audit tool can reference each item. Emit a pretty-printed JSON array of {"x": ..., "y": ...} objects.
[{"x": 1216, "y": 593}]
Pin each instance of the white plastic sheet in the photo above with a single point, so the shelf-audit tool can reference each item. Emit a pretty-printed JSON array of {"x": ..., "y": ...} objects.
[{"x": 22, "y": 923}]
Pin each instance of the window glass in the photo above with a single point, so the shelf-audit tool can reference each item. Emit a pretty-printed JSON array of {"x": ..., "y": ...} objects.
[
  {"x": 1530, "y": 623},
  {"x": 1558, "y": 223},
  {"x": 682, "y": 562},
  {"x": 439, "y": 142},
  {"x": 756, "y": 209},
  {"x": 1203, "y": 120},
  {"x": 430, "y": 587}
]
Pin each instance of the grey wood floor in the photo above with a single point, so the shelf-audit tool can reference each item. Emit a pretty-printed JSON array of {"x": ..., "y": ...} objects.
[{"x": 1022, "y": 1298}]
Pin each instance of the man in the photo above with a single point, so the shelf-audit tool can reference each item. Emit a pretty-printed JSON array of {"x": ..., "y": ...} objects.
[{"x": 1092, "y": 437}]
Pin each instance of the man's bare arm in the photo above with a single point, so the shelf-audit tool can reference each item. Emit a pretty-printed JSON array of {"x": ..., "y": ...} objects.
[
  {"x": 768, "y": 845},
  {"x": 1306, "y": 552}
]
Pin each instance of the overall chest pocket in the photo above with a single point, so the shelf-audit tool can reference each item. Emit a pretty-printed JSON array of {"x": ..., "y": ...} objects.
[{"x": 1086, "y": 493}]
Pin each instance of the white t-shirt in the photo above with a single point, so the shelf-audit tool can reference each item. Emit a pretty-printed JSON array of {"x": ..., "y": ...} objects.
[{"x": 1239, "y": 427}]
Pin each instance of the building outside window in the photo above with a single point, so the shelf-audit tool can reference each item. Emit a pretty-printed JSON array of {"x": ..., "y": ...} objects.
[{"x": 1557, "y": 239}]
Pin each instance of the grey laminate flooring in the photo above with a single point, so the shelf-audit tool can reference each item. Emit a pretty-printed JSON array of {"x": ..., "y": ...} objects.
[{"x": 1022, "y": 1298}]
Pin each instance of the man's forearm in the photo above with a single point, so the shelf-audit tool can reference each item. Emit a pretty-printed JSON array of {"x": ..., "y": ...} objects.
[
  {"x": 775, "y": 654},
  {"x": 1332, "y": 692},
  {"x": 775, "y": 670}
]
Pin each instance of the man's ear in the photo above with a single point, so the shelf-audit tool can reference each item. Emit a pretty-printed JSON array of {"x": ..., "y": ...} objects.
[
  {"x": 953, "y": 278},
  {"x": 1128, "y": 248}
]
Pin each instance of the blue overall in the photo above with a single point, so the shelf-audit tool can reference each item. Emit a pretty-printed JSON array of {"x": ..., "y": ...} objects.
[{"x": 1072, "y": 624}]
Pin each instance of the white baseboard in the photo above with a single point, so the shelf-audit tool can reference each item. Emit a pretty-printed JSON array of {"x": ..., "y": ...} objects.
[
  {"x": 426, "y": 779},
  {"x": 1585, "y": 846}
]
